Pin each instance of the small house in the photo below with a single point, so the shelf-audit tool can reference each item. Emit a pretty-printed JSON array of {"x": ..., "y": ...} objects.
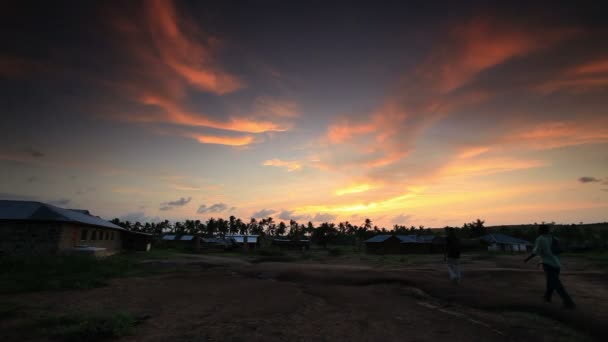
[
  {"x": 246, "y": 241},
  {"x": 188, "y": 242},
  {"x": 400, "y": 244},
  {"x": 34, "y": 228},
  {"x": 505, "y": 243},
  {"x": 292, "y": 244},
  {"x": 218, "y": 243}
]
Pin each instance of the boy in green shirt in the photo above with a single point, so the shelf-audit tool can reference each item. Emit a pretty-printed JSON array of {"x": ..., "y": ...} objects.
[{"x": 551, "y": 266}]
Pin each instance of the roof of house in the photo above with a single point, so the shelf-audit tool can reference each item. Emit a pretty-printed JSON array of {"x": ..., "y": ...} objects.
[
  {"x": 241, "y": 238},
  {"x": 37, "y": 211},
  {"x": 217, "y": 241},
  {"x": 504, "y": 239},
  {"x": 412, "y": 238}
]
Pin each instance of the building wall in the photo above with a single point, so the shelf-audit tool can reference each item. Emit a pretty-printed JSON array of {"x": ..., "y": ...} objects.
[
  {"x": 74, "y": 235},
  {"x": 391, "y": 245},
  {"x": 507, "y": 248},
  {"x": 29, "y": 238}
]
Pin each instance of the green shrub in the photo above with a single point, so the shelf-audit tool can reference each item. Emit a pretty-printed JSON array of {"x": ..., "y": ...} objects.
[{"x": 25, "y": 274}]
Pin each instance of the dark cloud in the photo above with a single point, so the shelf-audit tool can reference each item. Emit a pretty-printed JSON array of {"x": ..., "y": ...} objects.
[
  {"x": 587, "y": 179},
  {"x": 138, "y": 216},
  {"x": 232, "y": 209},
  {"x": 401, "y": 219},
  {"x": 214, "y": 208},
  {"x": 60, "y": 202},
  {"x": 323, "y": 217},
  {"x": 34, "y": 152},
  {"x": 177, "y": 203},
  {"x": 180, "y": 202},
  {"x": 264, "y": 213},
  {"x": 288, "y": 215},
  {"x": 31, "y": 179},
  {"x": 606, "y": 190}
]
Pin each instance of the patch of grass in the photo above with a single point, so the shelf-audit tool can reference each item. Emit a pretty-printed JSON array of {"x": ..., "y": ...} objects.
[
  {"x": 28, "y": 274},
  {"x": 86, "y": 327}
]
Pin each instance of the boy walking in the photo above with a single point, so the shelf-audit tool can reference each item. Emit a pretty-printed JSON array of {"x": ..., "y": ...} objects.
[
  {"x": 452, "y": 256},
  {"x": 543, "y": 247}
]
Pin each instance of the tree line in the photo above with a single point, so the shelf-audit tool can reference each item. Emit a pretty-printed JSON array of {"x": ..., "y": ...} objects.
[
  {"x": 574, "y": 235},
  {"x": 326, "y": 232}
]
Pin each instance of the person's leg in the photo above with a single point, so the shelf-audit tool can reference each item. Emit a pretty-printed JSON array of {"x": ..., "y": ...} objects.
[
  {"x": 550, "y": 275},
  {"x": 458, "y": 271},
  {"x": 559, "y": 288},
  {"x": 451, "y": 269}
]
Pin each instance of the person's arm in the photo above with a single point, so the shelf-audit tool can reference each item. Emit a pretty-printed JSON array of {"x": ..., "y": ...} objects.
[
  {"x": 534, "y": 251},
  {"x": 529, "y": 257}
]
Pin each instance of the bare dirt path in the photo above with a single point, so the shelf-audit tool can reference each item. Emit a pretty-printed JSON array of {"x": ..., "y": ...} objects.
[{"x": 226, "y": 299}]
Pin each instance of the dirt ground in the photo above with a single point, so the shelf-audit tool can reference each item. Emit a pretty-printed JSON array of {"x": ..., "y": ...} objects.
[{"x": 225, "y": 299}]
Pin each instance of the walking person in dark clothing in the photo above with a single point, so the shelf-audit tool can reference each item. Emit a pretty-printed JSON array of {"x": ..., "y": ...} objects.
[
  {"x": 545, "y": 247},
  {"x": 452, "y": 256}
]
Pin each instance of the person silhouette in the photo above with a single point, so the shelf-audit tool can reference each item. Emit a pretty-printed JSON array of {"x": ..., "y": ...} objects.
[
  {"x": 452, "y": 256},
  {"x": 544, "y": 247}
]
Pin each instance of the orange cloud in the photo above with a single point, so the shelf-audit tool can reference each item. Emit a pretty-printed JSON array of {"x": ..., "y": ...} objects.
[
  {"x": 190, "y": 56},
  {"x": 481, "y": 44},
  {"x": 584, "y": 77},
  {"x": 344, "y": 131},
  {"x": 224, "y": 140},
  {"x": 595, "y": 67},
  {"x": 174, "y": 113},
  {"x": 179, "y": 58},
  {"x": 353, "y": 189},
  {"x": 471, "y": 152},
  {"x": 289, "y": 165},
  {"x": 487, "y": 166},
  {"x": 561, "y": 134}
]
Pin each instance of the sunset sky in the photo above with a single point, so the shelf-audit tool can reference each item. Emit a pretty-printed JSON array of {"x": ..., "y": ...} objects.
[{"x": 424, "y": 115}]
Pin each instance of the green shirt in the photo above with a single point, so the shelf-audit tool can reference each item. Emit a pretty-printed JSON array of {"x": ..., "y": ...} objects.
[{"x": 542, "y": 248}]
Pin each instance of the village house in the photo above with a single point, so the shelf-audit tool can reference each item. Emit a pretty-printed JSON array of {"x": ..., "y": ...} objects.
[
  {"x": 189, "y": 242},
  {"x": 400, "y": 244},
  {"x": 246, "y": 241},
  {"x": 505, "y": 243},
  {"x": 301, "y": 244},
  {"x": 35, "y": 228}
]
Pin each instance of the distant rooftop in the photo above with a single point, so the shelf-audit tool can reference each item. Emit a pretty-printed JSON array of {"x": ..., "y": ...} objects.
[
  {"x": 37, "y": 211},
  {"x": 402, "y": 238},
  {"x": 504, "y": 239}
]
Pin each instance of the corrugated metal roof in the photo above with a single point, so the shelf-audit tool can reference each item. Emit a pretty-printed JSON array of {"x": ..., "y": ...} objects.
[
  {"x": 403, "y": 238},
  {"x": 504, "y": 239},
  {"x": 378, "y": 238},
  {"x": 241, "y": 238},
  {"x": 37, "y": 211},
  {"x": 169, "y": 237},
  {"x": 407, "y": 238}
]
